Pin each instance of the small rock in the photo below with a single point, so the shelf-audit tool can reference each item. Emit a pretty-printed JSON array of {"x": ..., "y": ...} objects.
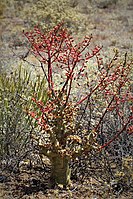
[
  {"x": 2, "y": 179},
  {"x": 105, "y": 3}
]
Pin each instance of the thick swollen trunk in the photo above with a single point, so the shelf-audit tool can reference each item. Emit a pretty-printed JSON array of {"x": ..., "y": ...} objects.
[{"x": 60, "y": 173}]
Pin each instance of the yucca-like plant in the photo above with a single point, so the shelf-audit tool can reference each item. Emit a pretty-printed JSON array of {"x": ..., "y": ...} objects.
[{"x": 16, "y": 90}]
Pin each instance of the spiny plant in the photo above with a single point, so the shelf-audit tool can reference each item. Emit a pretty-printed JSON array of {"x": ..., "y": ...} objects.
[
  {"x": 64, "y": 64},
  {"x": 16, "y": 90}
]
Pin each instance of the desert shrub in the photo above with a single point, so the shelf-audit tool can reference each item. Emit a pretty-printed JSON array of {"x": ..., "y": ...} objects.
[
  {"x": 16, "y": 90},
  {"x": 105, "y": 166},
  {"x": 49, "y": 13},
  {"x": 74, "y": 124},
  {"x": 2, "y": 7}
]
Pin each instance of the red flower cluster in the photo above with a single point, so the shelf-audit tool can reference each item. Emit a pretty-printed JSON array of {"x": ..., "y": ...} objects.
[{"x": 57, "y": 50}]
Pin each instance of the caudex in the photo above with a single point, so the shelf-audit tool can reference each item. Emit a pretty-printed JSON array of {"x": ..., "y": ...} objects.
[{"x": 58, "y": 54}]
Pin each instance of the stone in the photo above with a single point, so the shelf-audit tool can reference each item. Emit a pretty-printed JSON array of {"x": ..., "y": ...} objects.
[{"x": 105, "y": 3}]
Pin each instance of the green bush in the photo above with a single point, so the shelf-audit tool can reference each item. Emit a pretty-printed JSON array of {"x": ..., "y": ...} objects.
[
  {"x": 16, "y": 91},
  {"x": 2, "y": 8}
]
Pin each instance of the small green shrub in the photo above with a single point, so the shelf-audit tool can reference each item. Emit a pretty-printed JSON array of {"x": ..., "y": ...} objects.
[
  {"x": 2, "y": 8},
  {"x": 16, "y": 91}
]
